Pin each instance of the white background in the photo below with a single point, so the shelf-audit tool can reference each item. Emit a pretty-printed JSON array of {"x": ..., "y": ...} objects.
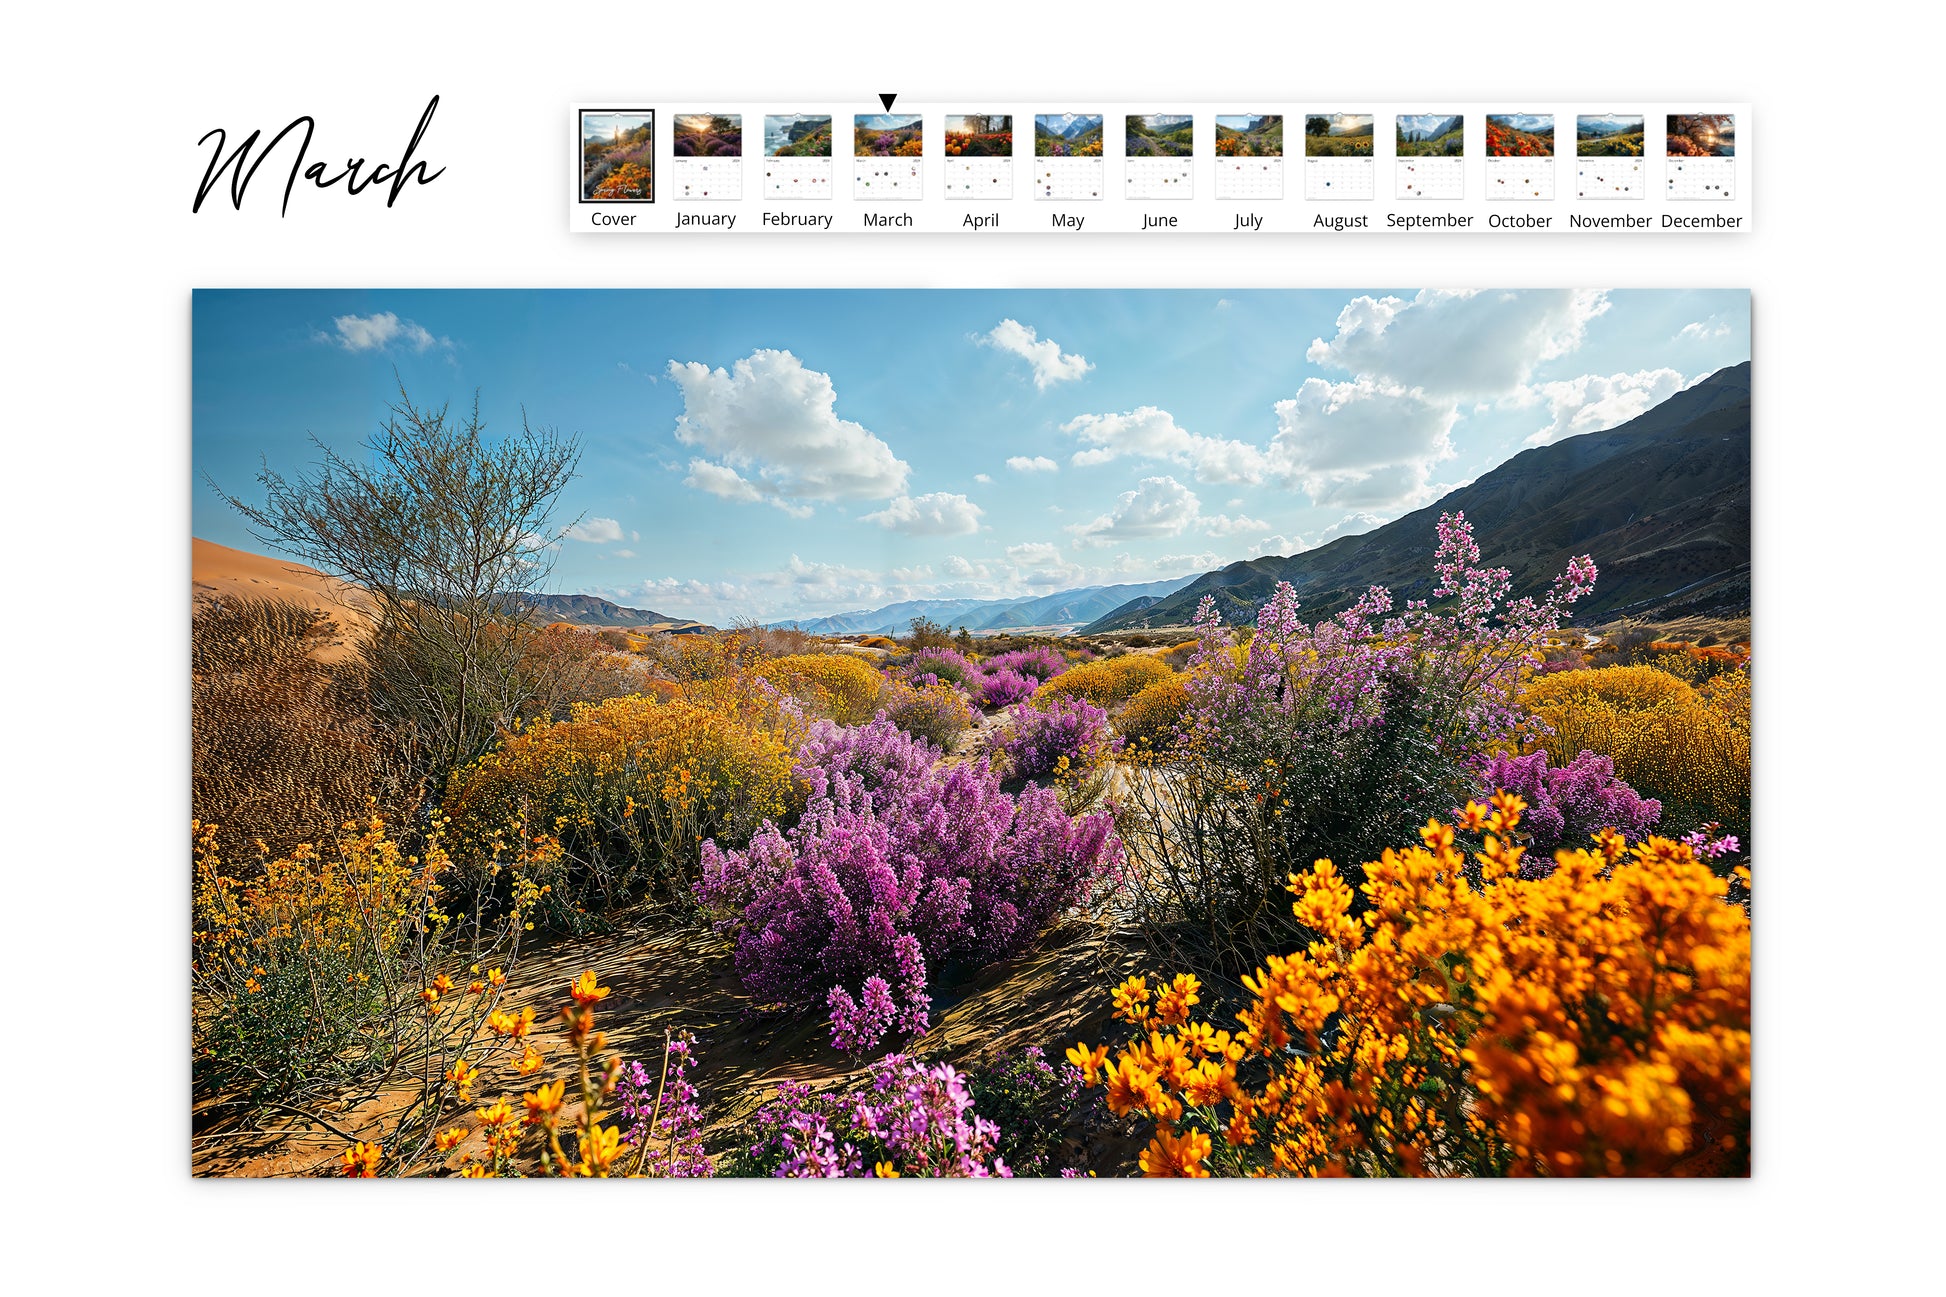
[{"x": 104, "y": 107}]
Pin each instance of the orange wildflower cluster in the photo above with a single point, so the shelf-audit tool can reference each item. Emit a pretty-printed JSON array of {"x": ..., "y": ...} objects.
[
  {"x": 598, "y": 1147},
  {"x": 1595, "y": 1022}
]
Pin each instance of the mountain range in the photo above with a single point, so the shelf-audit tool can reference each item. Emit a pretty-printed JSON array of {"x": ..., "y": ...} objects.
[
  {"x": 1069, "y": 125},
  {"x": 590, "y": 610},
  {"x": 1062, "y": 608},
  {"x": 1661, "y": 502}
]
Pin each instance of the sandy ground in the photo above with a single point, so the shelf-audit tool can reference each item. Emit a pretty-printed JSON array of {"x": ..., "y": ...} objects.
[{"x": 671, "y": 974}]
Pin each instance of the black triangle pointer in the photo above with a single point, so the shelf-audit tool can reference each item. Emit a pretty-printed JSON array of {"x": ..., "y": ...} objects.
[{"x": 887, "y": 101}]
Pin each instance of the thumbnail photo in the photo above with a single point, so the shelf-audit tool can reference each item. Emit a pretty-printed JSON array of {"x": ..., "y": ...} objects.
[
  {"x": 1338, "y": 135},
  {"x": 1160, "y": 135},
  {"x": 1431, "y": 135},
  {"x": 887, "y": 135},
  {"x": 1250, "y": 136},
  {"x": 1520, "y": 135},
  {"x": 618, "y": 156},
  {"x": 1608, "y": 135},
  {"x": 795, "y": 135},
  {"x": 708, "y": 135},
  {"x": 1067, "y": 135}
]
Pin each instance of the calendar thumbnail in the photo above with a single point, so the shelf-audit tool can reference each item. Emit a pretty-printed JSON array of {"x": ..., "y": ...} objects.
[
  {"x": 1250, "y": 156},
  {"x": 797, "y": 156},
  {"x": 1338, "y": 156},
  {"x": 1067, "y": 156},
  {"x": 1520, "y": 157},
  {"x": 1702, "y": 151},
  {"x": 708, "y": 161},
  {"x": 617, "y": 156},
  {"x": 1608, "y": 156},
  {"x": 1431, "y": 149},
  {"x": 887, "y": 148},
  {"x": 980, "y": 156},
  {"x": 1160, "y": 148}
]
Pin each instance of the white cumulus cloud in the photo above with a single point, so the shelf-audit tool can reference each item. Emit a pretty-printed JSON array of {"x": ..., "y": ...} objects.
[
  {"x": 1147, "y": 432},
  {"x": 1596, "y": 402},
  {"x": 1361, "y": 443},
  {"x": 596, "y": 531},
  {"x": 1044, "y": 356},
  {"x": 1032, "y": 464},
  {"x": 381, "y": 332},
  {"x": 772, "y": 425},
  {"x": 1158, "y": 506},
  {"x": 939, "y": 513},
  {"x": 1458, "y": 343}
]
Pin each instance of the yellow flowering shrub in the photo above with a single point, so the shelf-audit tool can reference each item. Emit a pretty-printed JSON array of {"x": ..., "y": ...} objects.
[
  {"x": 321, "y": 966},
  {"x": 1688, "y": 746},
  {"x": 1594, "y": 1022},
  {"x": 844, "y": 689},
  {"x": 1107, "y": 683},
  {"x": 633, "y": 786},
  {"x": 1150, "y": 720}
]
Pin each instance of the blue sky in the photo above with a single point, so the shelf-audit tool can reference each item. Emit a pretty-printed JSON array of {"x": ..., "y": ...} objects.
[{"x": 794, "y": 453}]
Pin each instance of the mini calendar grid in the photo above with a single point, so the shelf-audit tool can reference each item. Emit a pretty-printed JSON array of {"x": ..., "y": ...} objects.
[
  {"x": 1442, "y": 178},
  {"x": 886, "y": 178},
  {"x": 1067, "y": 178},
  {"x": 1704, "y": 179},
  {"x": 1608, "y": 178},
  {"x": 1520, "y": 179},
  {"x": 1339, "y": 178},
  {"x": 797, "y": 177},
  {"x": 980, "y": 178},
  {"x": 1249, "y": 178},
  {"x": 1159, "y": 178},
  {"x": 710, "y": 179}
]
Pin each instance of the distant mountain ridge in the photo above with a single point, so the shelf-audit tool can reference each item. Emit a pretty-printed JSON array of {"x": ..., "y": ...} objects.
[
  {"x": 1062, "y": 608},
  {"x": 1661, "y": 502},
  {"x": 590, "y": 610}
]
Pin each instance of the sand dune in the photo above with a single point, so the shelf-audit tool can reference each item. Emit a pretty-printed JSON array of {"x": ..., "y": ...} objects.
[{"x": 217, "y": 570}]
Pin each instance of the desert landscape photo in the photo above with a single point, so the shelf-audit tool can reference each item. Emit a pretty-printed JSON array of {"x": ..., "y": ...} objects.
[{"x": 972, "y": 733}]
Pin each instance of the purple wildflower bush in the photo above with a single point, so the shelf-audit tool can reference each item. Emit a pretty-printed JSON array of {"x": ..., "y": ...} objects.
[
  {"x": 1336, "y": 739},
  {"x": 939, "y": 665},
  {"x": 659, "y": 1109},
  {"x": 907, "y": 1119},
  {"x": 1070, "y": 737},
  {"x": 1567, "y": 804},
  {"x": 899, "y": 865},
  {"x": 1041, "y": 662},
  {"x": 1004, "y": 686}
]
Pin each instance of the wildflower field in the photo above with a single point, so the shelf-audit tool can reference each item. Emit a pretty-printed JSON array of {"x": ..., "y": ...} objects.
[{"x": 1424, "y": 888}]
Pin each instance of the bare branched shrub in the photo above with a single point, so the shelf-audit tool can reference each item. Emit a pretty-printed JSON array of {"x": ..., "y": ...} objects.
[{"x": 444, "y": 530}]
